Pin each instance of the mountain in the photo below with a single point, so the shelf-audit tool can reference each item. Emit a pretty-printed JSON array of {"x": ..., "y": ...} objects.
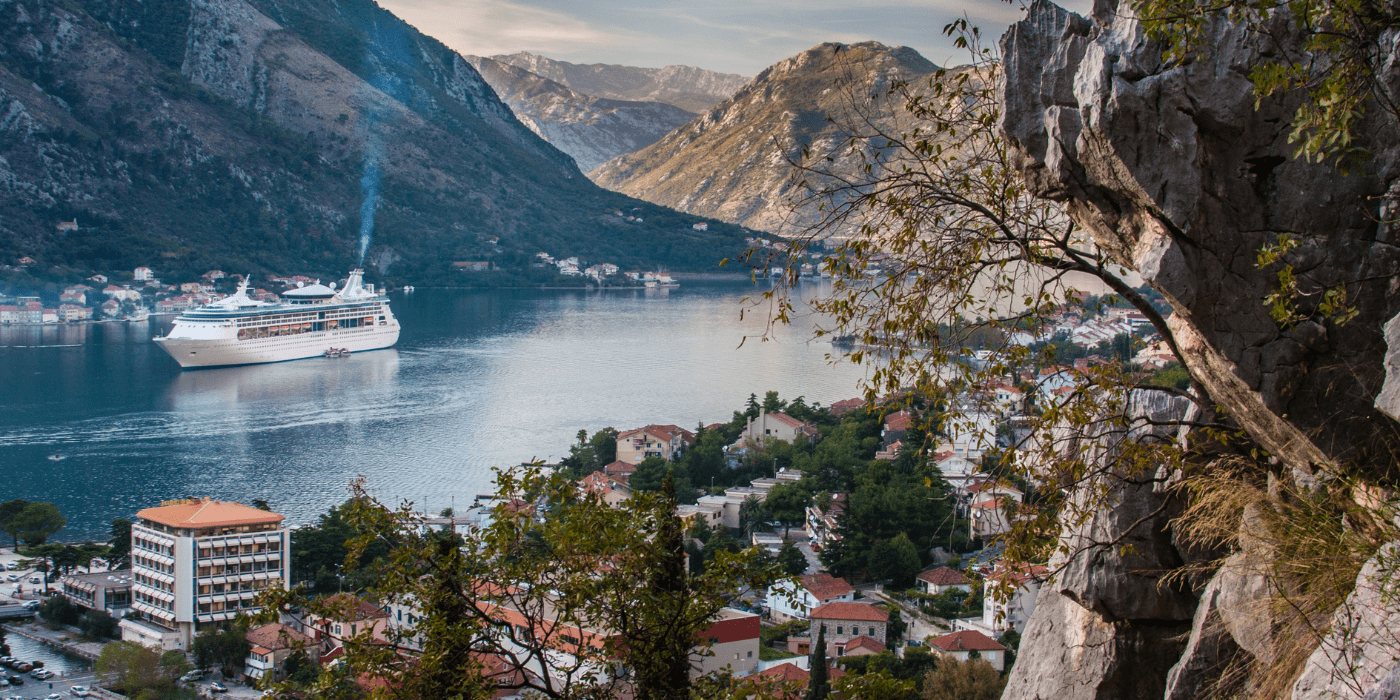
[
  {"x": 692, "y": 89},
  {"x": 732, "y": 163},
  {"x": 591, "y": 129},
  {"x": 257, "y": 135}
]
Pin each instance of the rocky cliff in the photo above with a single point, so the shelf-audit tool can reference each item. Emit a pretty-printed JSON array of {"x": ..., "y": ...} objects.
[
  {"x": 591, "y": 129},
  {"x": 692, "y": 89},
  {"x": 190, "y": 134},
  {"x": 1179, "y": 175},
  {"x": 734, "y": 162}
]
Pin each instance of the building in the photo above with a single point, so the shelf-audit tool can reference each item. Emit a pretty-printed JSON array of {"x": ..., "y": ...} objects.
[
  {"x": 67, "y": 226},
  {"x": 197, "y": 563},
  {"x": 789, "y": 601},
  {"x": 100, "y": 279},
  {"x": 824, "y": 519},
  {"x": 776, "y": 426},
  {"x": 664, "y": 441},
  {"x": 143, "y": 274},
  {"x": 49, "y": 316},
  {"x": 864, "y": 646},
  {"x": 844, "y": 406},
  {"x": 355, "y": 616},
  {"x": 734, "y": 641},
  {"x": 941, "y": 580},
  {"x": 960, "y": 645},
  {"x": 269, "y": 648},
  {"x": 731, "y": 503},
  {"x": 620, "y": 471},
  {"x": 73, "y": 312},
  {"x": 9, "y": 313},
  {"x": 108, "y": 591},
  {"x": 612, "y": 491},
  {"x": 72, "y": 296},
  {"x": 1015, "y": 612},
  {"x": 841, "y": 623}
]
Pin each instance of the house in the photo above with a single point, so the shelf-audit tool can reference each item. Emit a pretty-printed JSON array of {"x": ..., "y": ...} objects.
[
  {"x": 100, "y": 279},
  {"x": 890, "y": 452},
  {"x": 897, "y": 424},
  {"x": 105, "y": 591},
  {"x": 354, "y": 616},
  {"x": 610, "y": 490},
  {"x": 776, "y": 426},
  {"x": 142, "y": 274},
  {"x": 864, "y": 646},
  {"x": 9, "y": 313},
  {"x": 794, "y": 678},
  {"x": 31, "y": 312},
  {"x": 664, "y": 441},
  {"x": 734, "y": 640},
  {"x": 731, "y": 503},
  {"x": 620, "y": 471},
  {"x": 961, "y": 645},
  {"x": 841, "y": 623},
  {"x": 190, "y": 287},
  {"x": 1016, "y": 611},
  {"x": 823, "y": 520},
  {"x": 270, "y": 647},
  {"x": 49, "y": 316},
  {"x": 214, "y": 275},
  {"x": 987, "y": 518},
  {"x": 72, "y": 296},
  {"x": 1008, "y": 398},
  {"x": 67, "y": 226},
  {"x": 844, "y": 406},
  {"x": 73, "y": 312},
  {"x": 789, "y": 600},
  {"x": 111, "y": 307},
  {"x": 26, "y": 260},
  {"x": 941, "y": 580},
  {"x": 979, "y": 489},
  {"x": 702, "y": 226}
]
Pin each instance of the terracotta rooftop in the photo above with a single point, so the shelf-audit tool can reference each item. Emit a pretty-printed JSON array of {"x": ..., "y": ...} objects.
[
  {"x": 966, "y": 640},
  {"x": 275, "y": 636},
  {"x": 898, "y": 421},
  {"x": 849, "y": 611},
  {"x": 620, "y": 467},
  {"x": 203, "y": 512},
  {"x": 844, "y": 406},
  {"x": 943, "y": 576},
  {"x": 359, "y": 608},
  {"x": 865, "y": 642},
  {"x": 824, "y": 587},
  {"x": 665, "y": 432}
]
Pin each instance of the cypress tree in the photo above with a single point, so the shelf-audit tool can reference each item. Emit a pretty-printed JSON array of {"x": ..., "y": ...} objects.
[{"x": 817, "y": 687}]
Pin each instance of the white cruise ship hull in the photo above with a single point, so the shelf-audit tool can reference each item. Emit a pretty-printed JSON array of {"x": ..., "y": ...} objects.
[{"x": 225, "y": 352}]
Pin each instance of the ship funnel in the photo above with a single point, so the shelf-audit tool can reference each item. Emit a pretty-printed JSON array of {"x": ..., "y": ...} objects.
[{"x": 354, "y": 281}]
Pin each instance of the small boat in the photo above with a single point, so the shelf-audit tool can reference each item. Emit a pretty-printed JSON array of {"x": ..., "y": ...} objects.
[
  {"x": 56, "y": 457},
  {"x": 408, "y": 288},
  {"x": 337, "y": 352}
]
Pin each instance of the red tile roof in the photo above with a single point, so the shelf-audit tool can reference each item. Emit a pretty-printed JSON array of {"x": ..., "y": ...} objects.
[
  {"x": 824, "y": 587},
  {"x": 898, "y": 421},
  {"x": 943, "y": 576},
  {"x": 620, "y": 467},
  {"x": 844, "y": 406},
  {"x": 849, "y": 611},
  {"x": 786, "y": 672},
  {"x": 357, "y": 607},
  {"x": 665, "y": 432},
  {"x": 276, "y": 636},
  {"x": 966, "y": 640},
  {"x": 865, "y": 642}
]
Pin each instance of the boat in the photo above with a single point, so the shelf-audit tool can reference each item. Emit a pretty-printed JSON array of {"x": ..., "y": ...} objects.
[
  {"x": 139, "y": 315},
  {"x": 306, "y": 322},
  {"x": 56, "y": 457}
]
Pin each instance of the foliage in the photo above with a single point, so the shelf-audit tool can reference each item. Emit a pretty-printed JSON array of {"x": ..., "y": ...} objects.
[
  {"x": 974, "y": 679},
  {"x": 99, "y": 625},
  {"x": 553, "y": 569},
  {"x": 132, "y": 669},
  {"x": 35, "y": 523},
  {"x": 874, "y": 686},
  {"x": 58, "y": 610},
  {"x": 791, "y": 560},
  {"x": 817, "y": 685},
  {"x": 888, "y": 504},
  {"x": 9, "y": 510},
  {"x": 320, "y": 551},
  {"x": 224, "y": 647},
  {"x": 895, "y": 560},
  {"x": 787, "y": 504},
  {"x": 768, "y": 635}
]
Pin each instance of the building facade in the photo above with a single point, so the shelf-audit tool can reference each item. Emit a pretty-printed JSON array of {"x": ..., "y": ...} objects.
[
  {"x": 197, "y": 563},
  {"x": 664, "y": 441},
  {"x": 795, "y": 602},
  {"x": 108, "y": 591}
]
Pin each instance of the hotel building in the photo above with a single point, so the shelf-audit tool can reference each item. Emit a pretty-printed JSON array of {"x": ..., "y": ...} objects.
[{"x": 196, "y": 563}]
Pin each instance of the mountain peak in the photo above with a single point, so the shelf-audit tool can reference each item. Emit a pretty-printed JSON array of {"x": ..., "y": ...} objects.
[{"x": 687, "y": 87}]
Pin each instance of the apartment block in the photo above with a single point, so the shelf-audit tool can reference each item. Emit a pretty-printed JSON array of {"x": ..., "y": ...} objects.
[{"x": 198, "y": 563}]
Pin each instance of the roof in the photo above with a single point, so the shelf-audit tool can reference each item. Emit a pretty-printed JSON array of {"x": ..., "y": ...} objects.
[
  {"x": 359, "y": 608},
  {"x": 310, "y": 290},
  {"x": 665, "y": 432},
  {"x": 824, "y": 587},
  {"x": 865, "y": 642},
  {"x": 900, "y": 420},
  {"x": 787, "y": 420},
  {"x": 786, "y": 672},
  {"x": 204, "y": 512},
  {"x": 275, "y": 636},
  {"x": 849, "y": 611},
  {"x": 598, "y": 482},
  {"x": 943, "y": 576},
  {"x": 620, "y": 467},
  {"x": 966, "y": 640}
]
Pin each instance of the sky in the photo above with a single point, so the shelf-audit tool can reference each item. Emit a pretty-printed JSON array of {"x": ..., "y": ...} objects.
[{"x": 729, "y": 36}]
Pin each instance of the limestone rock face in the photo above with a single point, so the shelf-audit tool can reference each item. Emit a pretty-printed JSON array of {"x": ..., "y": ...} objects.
[
  {"x": 1363, "y": 647},
  {"x": 1389, "y": 400},
  {"x": 1177, "y": 175}
]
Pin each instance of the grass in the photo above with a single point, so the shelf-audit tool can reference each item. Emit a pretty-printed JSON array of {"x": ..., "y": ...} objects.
[{"x": 771, "y": 654}]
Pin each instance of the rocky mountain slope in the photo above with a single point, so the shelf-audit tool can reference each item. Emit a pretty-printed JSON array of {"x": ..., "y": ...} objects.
[
  {"x": 733, "y": 163},
  {"x": 269, "y": 134},
  {"x": 591, "y": 129},
  {"x": 1178, "y": 174},
  {"x": 692, "y": 89}
]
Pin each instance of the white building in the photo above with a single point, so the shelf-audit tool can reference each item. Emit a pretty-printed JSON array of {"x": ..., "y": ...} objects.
[
  {"x": 789, "y": 601},
  {"x": 143, "y": 274},
  {"x": 1016, "y": 611},
  {"x": 196, "y": 563}
]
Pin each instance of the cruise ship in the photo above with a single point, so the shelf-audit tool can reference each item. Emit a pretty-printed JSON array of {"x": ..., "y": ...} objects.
[{"x": 310, "y": 321}]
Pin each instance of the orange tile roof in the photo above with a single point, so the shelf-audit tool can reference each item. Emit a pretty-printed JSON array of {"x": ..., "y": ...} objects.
[
  {"x": 865, "y": 642},
  {"x": 202, "y": 513},
  {"x": 966, "y": 640},
  {"x": 849, "y": 611},
  {"x": 275, "y": 636},
  {"x": 899, "y": 421},
  {"x": 357, "y": 607},
  {"x": 824, "y": 587},
  {"x": 943, "y": 576}
]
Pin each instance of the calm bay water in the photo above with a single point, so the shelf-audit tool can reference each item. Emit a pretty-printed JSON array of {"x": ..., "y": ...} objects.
[{"x": 478, "y": 379}]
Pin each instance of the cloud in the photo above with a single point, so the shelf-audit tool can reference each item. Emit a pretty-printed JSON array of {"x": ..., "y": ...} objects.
[{"x": 489, "y": 27}]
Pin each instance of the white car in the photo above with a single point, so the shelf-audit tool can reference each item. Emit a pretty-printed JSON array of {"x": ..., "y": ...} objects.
[{"x": 80, "y": 691}]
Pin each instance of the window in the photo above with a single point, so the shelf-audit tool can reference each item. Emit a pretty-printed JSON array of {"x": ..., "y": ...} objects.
[
  {"x": 872, "y": 631},
  {"x": 840, "y": 629},
  {"x": 750, "y": 655}
]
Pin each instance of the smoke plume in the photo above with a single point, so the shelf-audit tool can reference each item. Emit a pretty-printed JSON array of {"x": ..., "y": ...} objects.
[{"x": 369, "y": 186}]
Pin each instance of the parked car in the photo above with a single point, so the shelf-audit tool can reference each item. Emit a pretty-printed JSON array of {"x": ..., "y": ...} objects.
[
  {"x": 35, "y": 580},
  {"x": 217, "y": 687},
  {"x": 12, "y": 578},
  {"x": 14, "y": 680},
  {"x": 37, "y": 663},
  {"x": 195, "y": 675},
  {"x": 14, "y": 566},
  {"x": 42, "y": 674},
  {"x": 24, "y": 667},
  {"x": 53, "y": 696},
  {"x": 80, "y": 691},
  {"x": 33, "y": 604}
]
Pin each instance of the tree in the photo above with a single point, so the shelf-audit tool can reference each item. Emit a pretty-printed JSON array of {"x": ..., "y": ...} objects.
[
  {"x": 58, "y": 611},
  {"x": 130, "y": 668},
  {"x": 8, "y": 511},
  {"x": 965, "y": 680},
  {"x": 817, "y": 688},
  {"x": 99, "y": 625},
  {"x": 119, "y": 545},
  {"x": 650, "y": 474},
  {"x": 878, "y": 685},
  {"x": 791, "y": 560},
  {"x": 261, "y": 504},
  {"x": 895, "y": 560},
  {"x": 225, "y": 647},
  {"x": 36, "y": 523},
  {"x": 787, "y": 503}
]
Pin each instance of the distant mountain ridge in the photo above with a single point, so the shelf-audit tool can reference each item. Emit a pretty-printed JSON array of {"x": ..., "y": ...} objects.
[
  {"x": 733, "y": 162},
  {"x": 692, "y": 89},
  {"x": 591, "y": 129},
  {"x": 256, "y": 135}
]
